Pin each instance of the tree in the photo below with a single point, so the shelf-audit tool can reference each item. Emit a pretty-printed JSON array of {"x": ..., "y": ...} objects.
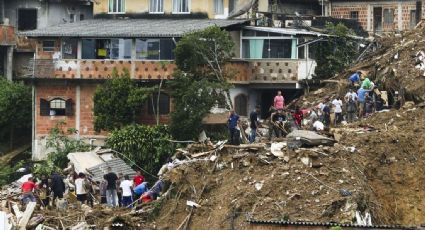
[
  {"x": 201, "y": 81},
  {"x": 337, "y": 53},
  {"x": 15, "y": 108},
  {"x": 205, "y": 53},
  {"x": 147, "y": 146},
  {"x": 117, "y": 101}
]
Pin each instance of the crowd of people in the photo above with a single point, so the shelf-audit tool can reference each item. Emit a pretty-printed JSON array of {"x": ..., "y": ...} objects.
[
  {"x": 362, "y": 99},
  {"x": 114, "y": 190}
]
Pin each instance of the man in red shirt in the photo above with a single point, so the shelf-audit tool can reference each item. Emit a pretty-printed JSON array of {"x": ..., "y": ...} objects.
[
  {"x": 27, "y": 190},
  {"x": 138, "y": 178}
]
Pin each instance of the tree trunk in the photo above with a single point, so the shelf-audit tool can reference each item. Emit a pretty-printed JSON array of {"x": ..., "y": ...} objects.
[
  {"x": 228, "y": 99},
  {"x": 157, "y": 102}
]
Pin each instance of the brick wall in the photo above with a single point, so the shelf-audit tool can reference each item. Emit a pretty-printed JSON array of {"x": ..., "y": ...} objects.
[{"x": 343, "y": 9}]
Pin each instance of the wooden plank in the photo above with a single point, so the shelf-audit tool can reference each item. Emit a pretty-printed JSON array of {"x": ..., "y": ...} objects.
[{"x": 27, "y": 215}]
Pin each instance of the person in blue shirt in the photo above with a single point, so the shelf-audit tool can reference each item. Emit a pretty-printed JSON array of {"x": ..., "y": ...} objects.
[
  {"x": 140, "y": 189},
  {"x": 232, "y": 123},
  {"x": 355, "y": 78},
  {"x": 361, "y": 94}
]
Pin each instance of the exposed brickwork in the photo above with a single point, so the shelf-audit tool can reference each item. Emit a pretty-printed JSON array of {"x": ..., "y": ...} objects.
[
  {"x": 343, "y": 9},
  {"x": 7, "y": 35},
  {"x": 49, "y": 91}
]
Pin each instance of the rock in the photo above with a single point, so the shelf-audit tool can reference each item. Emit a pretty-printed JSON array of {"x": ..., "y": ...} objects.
[
  {"x": 286, "y": 158},
  {"x": 246, "y": 163}
]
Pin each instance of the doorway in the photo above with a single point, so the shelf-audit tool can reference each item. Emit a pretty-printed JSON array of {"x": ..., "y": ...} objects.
[
  {"x": 377, "y": 19},
  {"x": 267, "y": 97}
]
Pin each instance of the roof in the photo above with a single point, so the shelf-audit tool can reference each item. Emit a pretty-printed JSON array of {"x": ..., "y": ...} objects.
[
  {"x": 117, "y": 165},
  {"x": 84, "y": 160},
  {"x": 327, "y": 224},
  {"x": 287, "y": 31},
  {"x": 110, "y": 28}
]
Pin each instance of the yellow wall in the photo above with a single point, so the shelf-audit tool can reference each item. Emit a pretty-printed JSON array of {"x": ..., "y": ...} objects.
[{"x": 142, "y": 6}]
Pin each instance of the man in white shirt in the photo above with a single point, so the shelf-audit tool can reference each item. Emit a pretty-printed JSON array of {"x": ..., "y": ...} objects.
[
  {"x": 337, "y": 103},
  {"x": 127, "y": 194},
  {"x": 81, "y": 187},
  {"x": 318, "y": 126},
  {"x": 351, "y": 94}
]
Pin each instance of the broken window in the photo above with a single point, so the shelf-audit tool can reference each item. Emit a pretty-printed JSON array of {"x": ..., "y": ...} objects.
[
  {"x": 116, "y": 6},
  {"x": 180, "y": 6},
  {"x": 241, "y": 104},
  {"x": 164, "y": 104},
  {"x": 218, "y": 7},
  {"x": 27, "y": 19},
  {"x": 48, "y": 46},
  {"x": 156, "y": 6},
  {"x": 56, "y": 107},
  {"x": 354, "y": 15},
  {"x": 388, "y": 16},
  {"x": 69, "y": 48}
]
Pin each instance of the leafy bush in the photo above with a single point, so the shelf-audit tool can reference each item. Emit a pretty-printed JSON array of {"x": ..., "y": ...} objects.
[{"x": 147, "y": 146}]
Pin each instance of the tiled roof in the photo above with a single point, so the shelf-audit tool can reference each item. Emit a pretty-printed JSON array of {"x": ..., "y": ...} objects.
[
  {"x": 117, "y": 165},
  {"x": 113, "y": 28},
  {"x": 327, "y": 224}
]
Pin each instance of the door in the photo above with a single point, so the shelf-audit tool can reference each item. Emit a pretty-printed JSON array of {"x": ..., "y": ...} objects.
[{"x": 377, "y": 19}]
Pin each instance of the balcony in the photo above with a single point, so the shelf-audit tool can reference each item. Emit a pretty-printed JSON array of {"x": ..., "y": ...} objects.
[{"x": 7, "y": 35}]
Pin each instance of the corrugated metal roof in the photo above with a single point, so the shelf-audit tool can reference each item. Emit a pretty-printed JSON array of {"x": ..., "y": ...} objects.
[
  {"x": 121, "y": 28},
  {"x": 287, "y": 31},
  {"x": 117, "y": 165},
  {"x": 327, "y": 224}
]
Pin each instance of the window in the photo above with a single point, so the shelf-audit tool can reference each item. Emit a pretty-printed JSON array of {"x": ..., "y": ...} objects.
[
  {"x": 106, "y": 48},
  {"x": 354, "y": 15},
  {"x": 388, "y": 16},
  {"x": 48, "y": 46},
  {"x": 81, "y": 17},
  {"x": 180, "y": 6},
  {"x": 56, "y": 107},
  {"x": 69, "y": 48},
  {"x": 116, "y": 6},
  {"x": 27, "y": 19},
  {"x": 267, "y": 48},
  {"x": 156, "y": 6},
  {"x": 218, "y": 7},
  {"x": 71, "y": 17},
  {"x": 241, "y": 103},
  {"x": 164, "y": 104},
  {"x": 301, "y": 49},
  {"x": 155, "y": 49},
  {"x": 232, "y": 5}
]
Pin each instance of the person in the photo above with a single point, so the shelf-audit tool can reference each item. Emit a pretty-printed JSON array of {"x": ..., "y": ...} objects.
[
  {"x": 119, "y": 192},
  {"x": 351, "y": 109},
  {"x": 279, "y": 101},
  {"x": 337, "y": 103},
  {"x": 233, "y": 122},
  {"x": 318, "y": 126},
  {"x": 81, "y": 185},
  {"x": 153, "y": 193},
  {"x": 361, "y": 99},
  {"x": 278, "y": 119},
  {"x": 111, "y": 188},
  {"x": 102, "y": 190},
  {"x": 271, "y": 111},
  {"x": 350, "y": 94},
  {"x": 298, "y": 117},
  {"x": 126, "y": 186},
  {"x": 44, "y": 190},
  {"x": 366, "y": 84},
  {"x": 138, "y": 178},
  {"x": 58, "y": 186},
  {"x": 355, "y": 78},
  {"x": 28, "y": 188},
  {"x": 140, "y": 189},
  {"x": 254, "y": 124},
  {"x": 368, "y": 104},
  {"x": 326, "y": 114}
]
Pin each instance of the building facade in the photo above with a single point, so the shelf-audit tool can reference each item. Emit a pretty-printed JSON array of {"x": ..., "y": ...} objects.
[{"x": 379, "y": 16}]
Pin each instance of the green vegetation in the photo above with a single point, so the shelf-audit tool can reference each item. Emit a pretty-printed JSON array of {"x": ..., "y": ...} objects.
[
  {"x": 117, "y": 101},
  {"x": 15, "y": 109},
  {"x": 146, "y": 146},
  {"x": 337, "y": 53},
  {"x": 201, "y": 81}
]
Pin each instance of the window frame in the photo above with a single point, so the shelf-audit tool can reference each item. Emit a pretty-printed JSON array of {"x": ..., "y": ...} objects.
[
  {"x": 45, "y": 107},
  {"x": 189, "y": 4},
  {"x": 354, "y": 12},
  {"x": 156, "y": 12},
  {"x": 215, "y": 7},
  {"x": 53, "y": 47},
  {"x": 123, "y": 6},
  {"x": 388, "y": 12},
  {"x": 153, "y": 99}
]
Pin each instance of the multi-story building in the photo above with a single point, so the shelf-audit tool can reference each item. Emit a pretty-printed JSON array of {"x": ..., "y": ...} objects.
[
  {"x": 72, "y": 59},
  {"x": 378, "y": 16}
]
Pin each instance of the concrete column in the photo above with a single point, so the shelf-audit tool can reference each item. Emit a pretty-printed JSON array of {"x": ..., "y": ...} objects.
[
  {"x": 79, "y": 54},
  {"x": 133, "y": 58},
  {"x": 9, "y": 63},
  {"x": 400, "y": 17},
  {"x": 369, "y": 18},
  {"x": 77, "y": 109}
]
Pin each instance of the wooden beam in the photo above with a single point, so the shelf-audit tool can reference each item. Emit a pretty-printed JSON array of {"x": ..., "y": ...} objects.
[{"x": 27, "y": 215}]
